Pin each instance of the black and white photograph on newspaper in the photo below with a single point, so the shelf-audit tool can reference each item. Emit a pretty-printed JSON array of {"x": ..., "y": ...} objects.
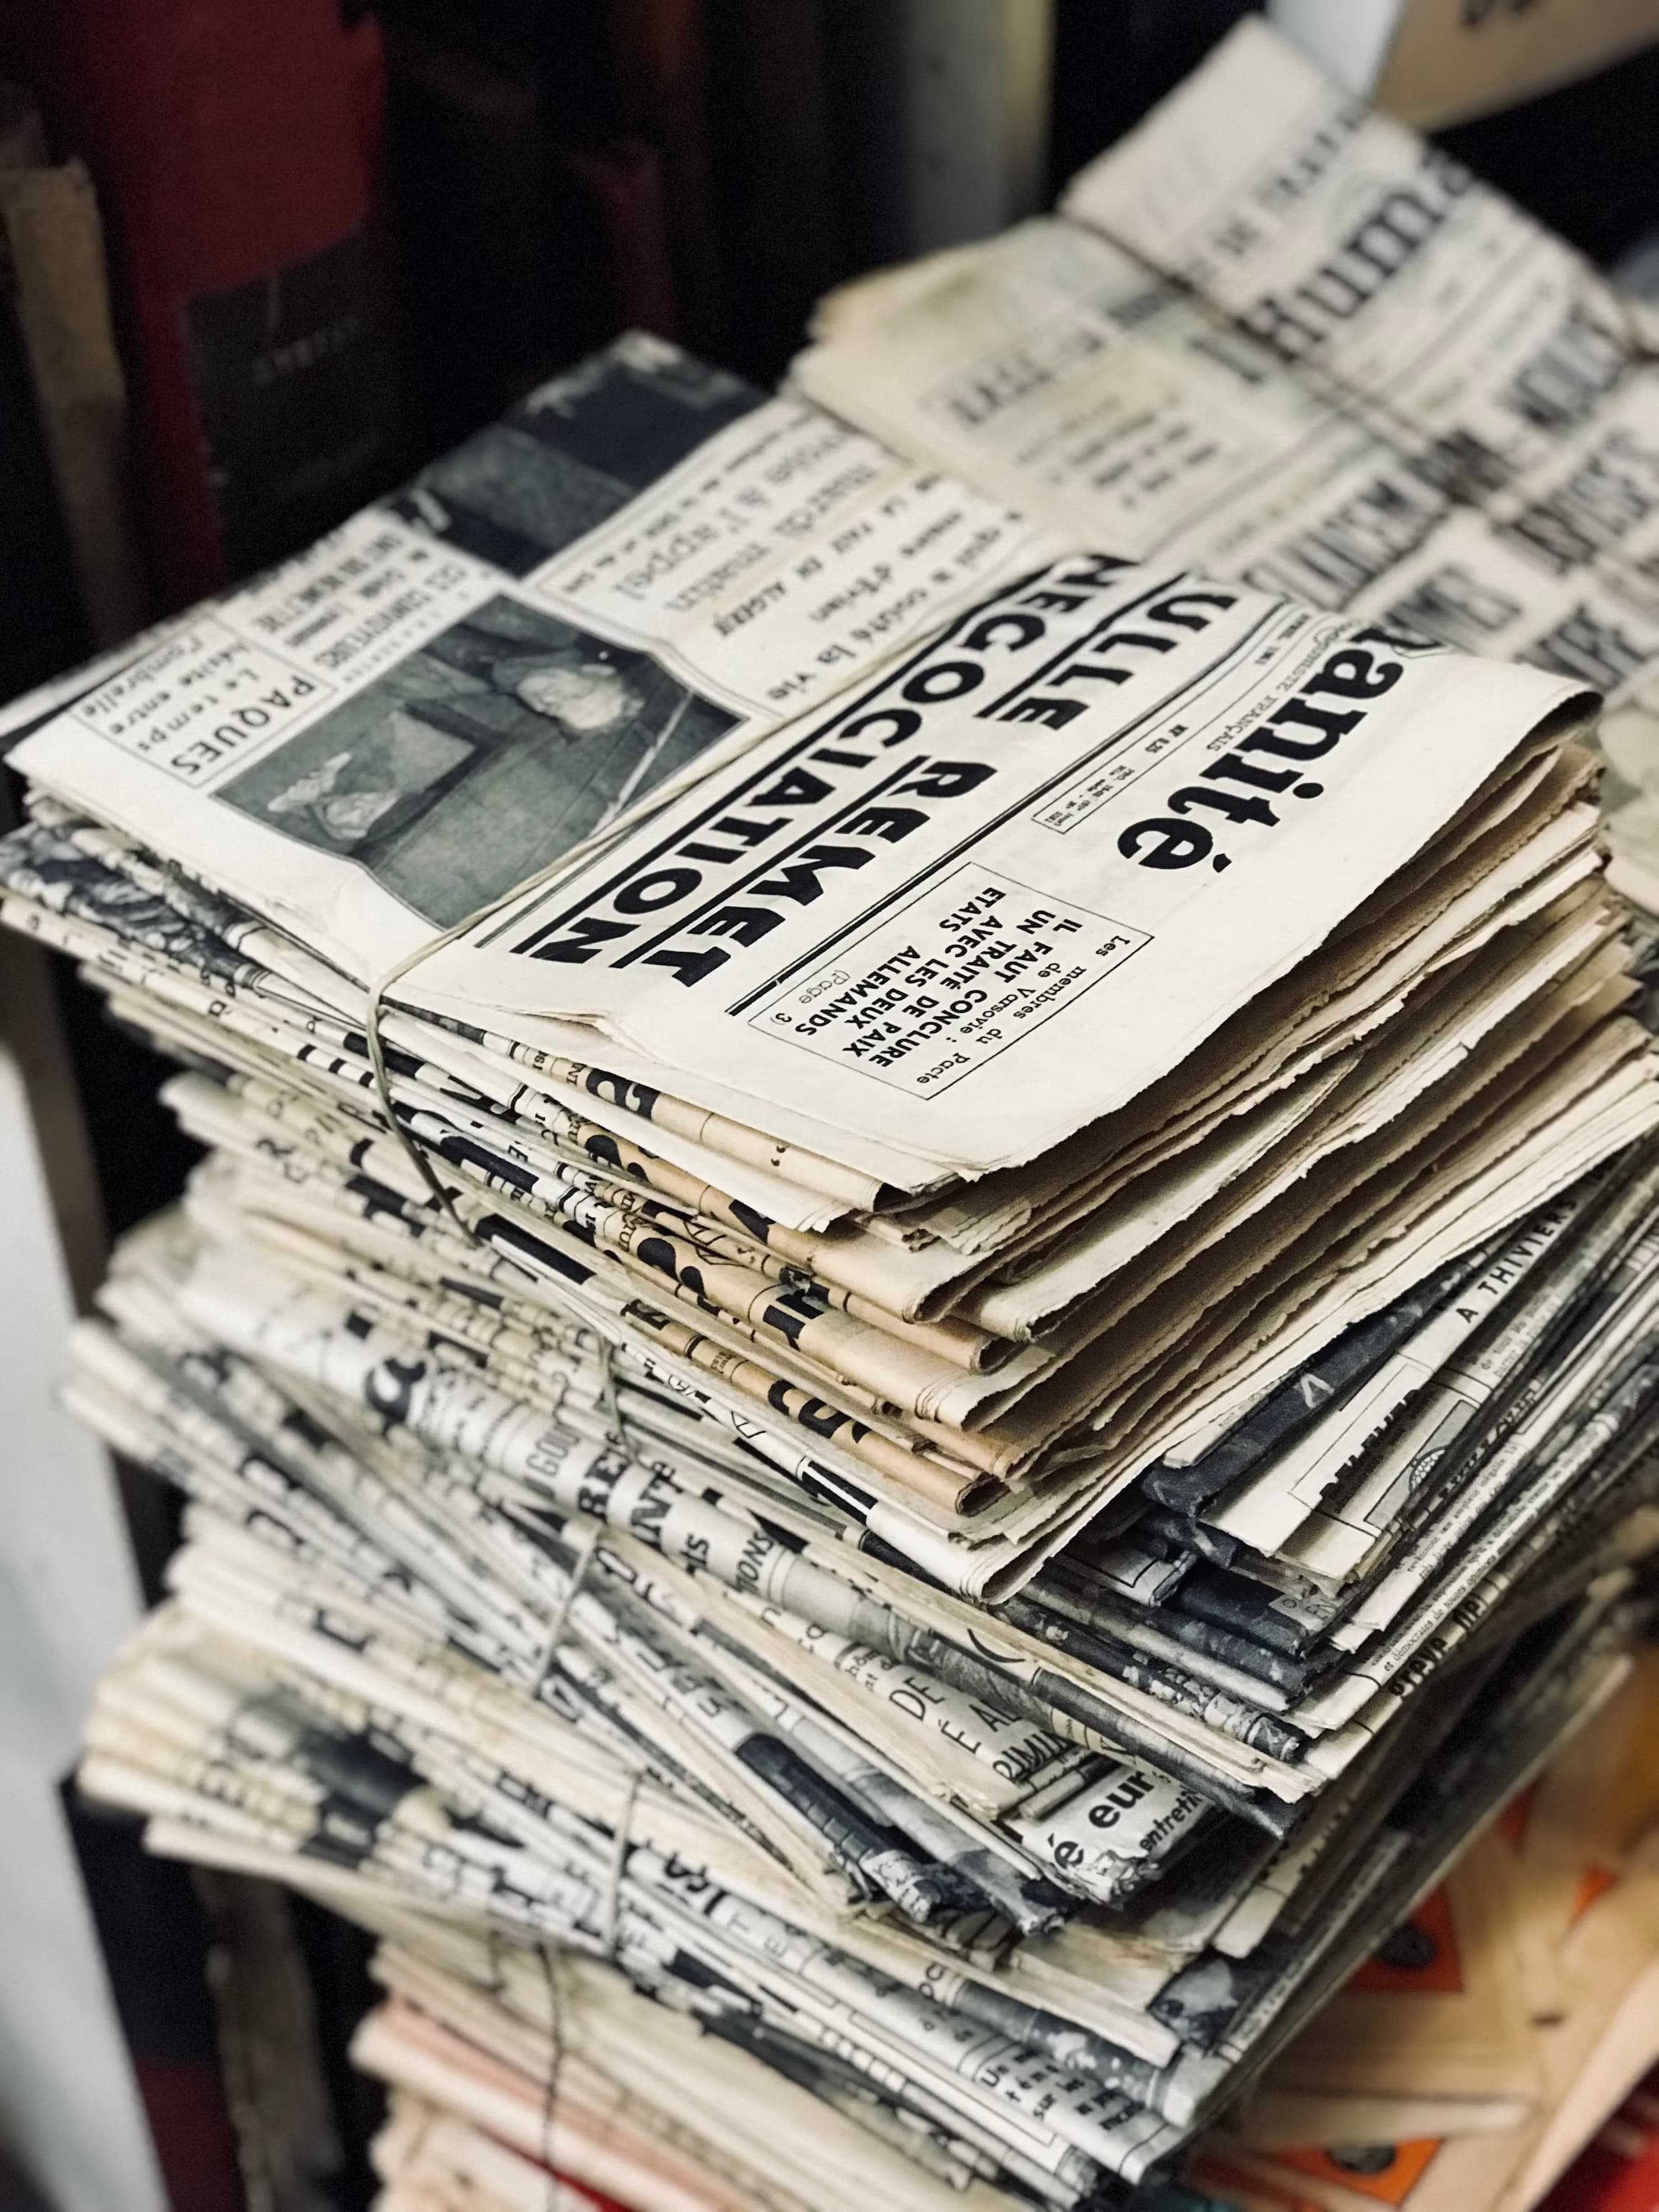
[{"x": 499, "y": 745}]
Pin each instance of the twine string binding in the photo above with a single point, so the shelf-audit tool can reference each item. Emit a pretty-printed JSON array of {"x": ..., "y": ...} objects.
[
  {"x": 550, "y": 1952},
  {"x": 549, "y": 1949},
  {"x": 374, "y": 1018},
  {"x": 576, "y": 1574},
  {"x": 610, "y": 1390}
]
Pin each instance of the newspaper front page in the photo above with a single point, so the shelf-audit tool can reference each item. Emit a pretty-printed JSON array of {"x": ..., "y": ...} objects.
[{"x": 1073, "y": 789}]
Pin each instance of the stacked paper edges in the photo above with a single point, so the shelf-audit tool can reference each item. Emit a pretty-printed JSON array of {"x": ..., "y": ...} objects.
[{"x": 998, "y": 1376}]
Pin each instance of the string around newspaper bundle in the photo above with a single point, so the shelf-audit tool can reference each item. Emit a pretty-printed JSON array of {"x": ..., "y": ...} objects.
[
  {"x": 374, "y": 1035},
  {"x": 588, "y": 1545},
  {"x": 549, "y": 1950},
  {"x": 374, "y": 1018}
]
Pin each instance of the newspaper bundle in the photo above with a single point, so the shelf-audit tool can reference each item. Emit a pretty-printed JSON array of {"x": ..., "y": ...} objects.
[
  {"x": 1282, "y": 337},
  {"x": 1460, "y": 2067},
  {"x": 916, "y": 1346}
]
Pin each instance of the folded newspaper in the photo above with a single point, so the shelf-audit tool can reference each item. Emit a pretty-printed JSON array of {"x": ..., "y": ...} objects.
[
  {"x": 1284, "y": 338},
  {"x": 917, "y": 1345}
]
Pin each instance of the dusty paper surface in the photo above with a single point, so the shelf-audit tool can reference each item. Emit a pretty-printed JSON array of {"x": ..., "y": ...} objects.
[
  {"x": 1480, "y": 463},
  {"x": 1052, "y": 368},
  {"x": 1085, "y": 388}
]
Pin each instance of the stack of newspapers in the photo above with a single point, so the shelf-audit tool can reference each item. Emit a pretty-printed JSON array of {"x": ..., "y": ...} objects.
[
  {"x": 1460, "y": 2070},
  {"x": 917, "y": 1345}
]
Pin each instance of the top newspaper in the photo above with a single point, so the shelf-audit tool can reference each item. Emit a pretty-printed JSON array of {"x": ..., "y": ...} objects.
[{"x": 984, "y": 891}]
